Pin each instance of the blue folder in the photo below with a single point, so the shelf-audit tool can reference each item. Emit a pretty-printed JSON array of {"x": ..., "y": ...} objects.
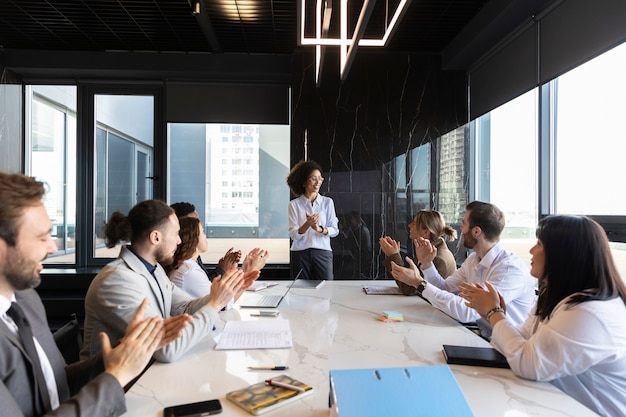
[{"x": 398, "y": 392}]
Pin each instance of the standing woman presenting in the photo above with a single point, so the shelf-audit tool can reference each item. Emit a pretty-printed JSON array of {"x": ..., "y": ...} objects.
[{"x": 312, "y": 222}]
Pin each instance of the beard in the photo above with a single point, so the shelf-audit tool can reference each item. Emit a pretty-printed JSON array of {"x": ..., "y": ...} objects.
[
  {"x": 21, "y": 273},
  {"x": 164, "y": 258},
  {"x": 469, "y": 241}
]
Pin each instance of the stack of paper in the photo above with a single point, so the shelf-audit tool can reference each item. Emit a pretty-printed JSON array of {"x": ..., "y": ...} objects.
[
  {"x": 255, "y": 334},
  {"x": 390, "y": 315}
]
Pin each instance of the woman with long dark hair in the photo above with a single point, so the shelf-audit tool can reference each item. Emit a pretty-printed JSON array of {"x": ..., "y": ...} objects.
[
  {"x": 576, "y": 336},
  {"x": 186, "y": 273}
]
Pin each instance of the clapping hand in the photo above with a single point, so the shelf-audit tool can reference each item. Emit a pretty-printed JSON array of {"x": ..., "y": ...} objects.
[
  {"x": 410, "y": 275},
  {"x": 135, "y": 349},
  {"x": 425, "y": 252},
  {"x": 255, "y": 260},
  {"x": 312, "y": 220},
  {"x": 481, "y": 298},
  {"x": 389, "y": 246},
  {"x": 224, "y": 288},
  {"x": 230, "y": 259}
]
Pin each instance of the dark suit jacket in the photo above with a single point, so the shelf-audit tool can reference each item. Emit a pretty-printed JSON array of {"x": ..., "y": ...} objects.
[{"x": 101, "y": 393}]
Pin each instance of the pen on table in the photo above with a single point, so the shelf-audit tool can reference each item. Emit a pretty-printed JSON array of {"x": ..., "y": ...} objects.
[
  {"x": 268, "y": 368},
  {"x": 283, "y": 385}
]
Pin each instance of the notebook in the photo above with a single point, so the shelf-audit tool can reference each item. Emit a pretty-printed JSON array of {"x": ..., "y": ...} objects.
[
  {"x": 265, "y": 301},
  {"x": 476, "y": 356},
  {"x": 260, "y": 285},
  {"x": 260, "y": 398}
]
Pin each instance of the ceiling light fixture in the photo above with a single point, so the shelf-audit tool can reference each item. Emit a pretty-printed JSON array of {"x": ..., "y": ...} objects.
[
  {"x": 196, "y": 8},
  {"x": 347, "y": 46}
]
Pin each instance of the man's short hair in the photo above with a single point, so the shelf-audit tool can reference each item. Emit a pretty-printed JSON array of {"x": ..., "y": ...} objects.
[
  {"x": 17, "y": 192},
  {"x": 486, "y": 216}
]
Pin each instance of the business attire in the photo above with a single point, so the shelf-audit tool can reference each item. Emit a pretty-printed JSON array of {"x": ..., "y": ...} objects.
[
  {"x": 117, "y": 291},
  {"x": 192, "y": 279},
  {"x": 311, "y": 250},
  {"x": 444, "y": 262},
  {"x": 580, "y": 348},
  {"x": 211, "y": 274},
  {"x": 503, "y": 269},
  {"x": 95, "y": 393}
]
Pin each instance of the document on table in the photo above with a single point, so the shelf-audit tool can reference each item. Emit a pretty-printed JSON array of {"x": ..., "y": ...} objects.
[
  {"x": 381, "y": 290},
  {"x": 267, "y": 333}
]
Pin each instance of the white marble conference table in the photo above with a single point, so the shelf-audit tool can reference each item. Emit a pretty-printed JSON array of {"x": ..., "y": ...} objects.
[{"x": 336, "y": 327}]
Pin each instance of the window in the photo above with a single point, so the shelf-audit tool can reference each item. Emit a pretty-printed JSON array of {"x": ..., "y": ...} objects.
[
  {"x": 420, "y": 178},
  {"x": 124, "y": 157},
  {"x": 229, "y": 213},
  {"x": 589, "y": 139},
  {"x": 452, "y": 193},
  {"x": 51, "y": 148},
  {"x": 506, "y": 166}
]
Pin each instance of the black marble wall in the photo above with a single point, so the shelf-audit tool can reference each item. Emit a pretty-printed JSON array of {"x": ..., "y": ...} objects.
[{"x": 388, "y": 105}]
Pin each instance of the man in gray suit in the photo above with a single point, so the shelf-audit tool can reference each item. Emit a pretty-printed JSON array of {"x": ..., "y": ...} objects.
[
  {"x": 95, "y": 383},
  {"x": 152, "y": 229}
]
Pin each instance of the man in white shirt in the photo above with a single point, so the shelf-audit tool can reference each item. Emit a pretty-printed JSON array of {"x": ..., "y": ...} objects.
[{"x": 481, "y": 228}]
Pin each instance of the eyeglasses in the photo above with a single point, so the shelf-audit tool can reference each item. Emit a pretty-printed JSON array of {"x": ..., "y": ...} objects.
[{"x": 316, "y": 179}]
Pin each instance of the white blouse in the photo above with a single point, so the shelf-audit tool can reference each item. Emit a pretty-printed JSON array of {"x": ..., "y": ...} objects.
[
  {"x": 581, "y": 349},
  {"x": 190, "y": 278}
]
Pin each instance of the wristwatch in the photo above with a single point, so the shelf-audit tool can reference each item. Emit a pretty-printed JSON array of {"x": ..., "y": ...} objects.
[{"x": 421, "y": 286}]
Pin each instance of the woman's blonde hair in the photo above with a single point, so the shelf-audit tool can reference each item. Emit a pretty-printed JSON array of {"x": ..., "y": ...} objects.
[{"x": 434, "y": 222}]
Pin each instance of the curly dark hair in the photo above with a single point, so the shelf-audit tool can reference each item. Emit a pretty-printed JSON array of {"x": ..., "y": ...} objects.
[
  {"x": 299, "y": 175},
  {"x": 578, "y": 260}
]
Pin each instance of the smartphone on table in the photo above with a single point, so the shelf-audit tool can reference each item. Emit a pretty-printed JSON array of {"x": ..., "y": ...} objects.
[{"x": 199, "y": 409}]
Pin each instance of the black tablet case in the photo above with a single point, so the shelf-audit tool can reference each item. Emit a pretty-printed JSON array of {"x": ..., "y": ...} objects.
[{"x": 475, "y": 356}]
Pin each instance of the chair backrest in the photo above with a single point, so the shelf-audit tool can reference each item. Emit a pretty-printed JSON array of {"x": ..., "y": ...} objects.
[{"x": 69, "y": 340}]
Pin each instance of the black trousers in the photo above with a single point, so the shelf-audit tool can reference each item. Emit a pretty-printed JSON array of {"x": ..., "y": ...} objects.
[{"x": 315, "y": 264}]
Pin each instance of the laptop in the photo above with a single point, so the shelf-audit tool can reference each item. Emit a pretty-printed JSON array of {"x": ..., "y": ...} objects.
[
  {"x": 309, "y": 283},
  {"x": 265, "y": 301}
]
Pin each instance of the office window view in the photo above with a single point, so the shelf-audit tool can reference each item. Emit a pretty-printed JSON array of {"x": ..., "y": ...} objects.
[
  {"x": 124, "y": 144},
  {"x": 505, "y": 169},
  {"x": 234, "y": 174},
  {"x": 51, "y": 139},
  {"x": 590, "y": 140}
]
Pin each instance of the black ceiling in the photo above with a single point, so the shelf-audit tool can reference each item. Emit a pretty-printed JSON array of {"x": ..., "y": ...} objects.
[{"x": 223, "y": 26}]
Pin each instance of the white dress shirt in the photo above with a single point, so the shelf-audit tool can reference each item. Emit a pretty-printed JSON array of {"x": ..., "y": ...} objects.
[
  {"x": 504, "y": 270},
  {"x": 192, "y": 279},
  {"x": 48, "y": 373},
  {"x": 312, "y": 239},
  {"x": 581, "y": 349}
]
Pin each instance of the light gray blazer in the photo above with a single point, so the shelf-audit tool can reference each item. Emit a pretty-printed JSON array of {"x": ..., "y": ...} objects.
[
  {"x": 103, "y": 396},
  {"x": 116, "y": 292}
]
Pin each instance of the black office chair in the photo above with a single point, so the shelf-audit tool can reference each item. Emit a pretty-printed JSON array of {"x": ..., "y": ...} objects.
[{"x": 69, "y": 340}]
